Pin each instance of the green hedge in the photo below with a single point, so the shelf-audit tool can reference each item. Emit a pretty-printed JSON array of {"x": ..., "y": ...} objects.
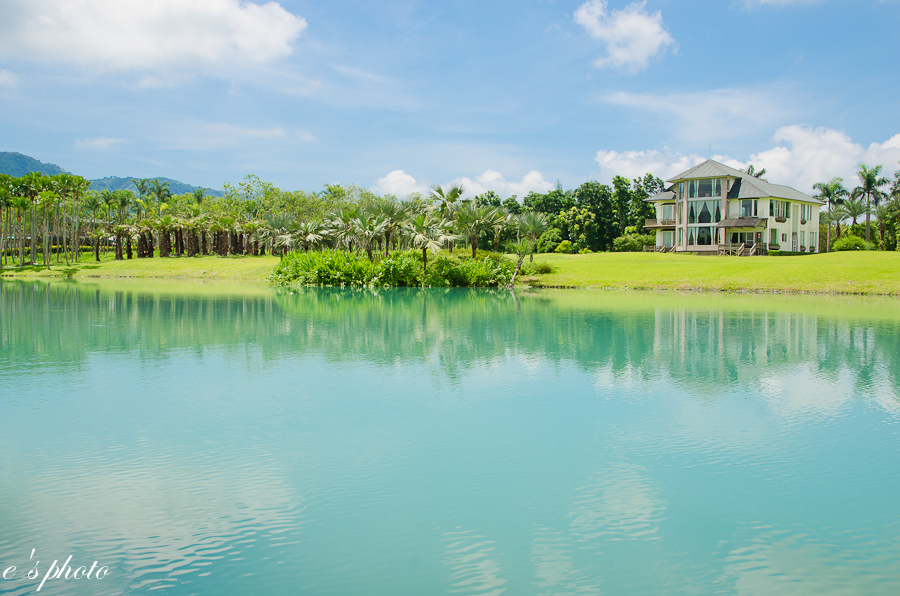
[{"x": 331, "y": 267}]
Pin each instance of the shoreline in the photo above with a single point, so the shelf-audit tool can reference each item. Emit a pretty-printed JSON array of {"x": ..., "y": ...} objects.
[{"x": 835, "y": 274}]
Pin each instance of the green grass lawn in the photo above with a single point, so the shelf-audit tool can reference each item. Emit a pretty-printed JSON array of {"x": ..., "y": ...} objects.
[
  {"x": 209, "y": 267},
  {"x": 841, "y": 272}
]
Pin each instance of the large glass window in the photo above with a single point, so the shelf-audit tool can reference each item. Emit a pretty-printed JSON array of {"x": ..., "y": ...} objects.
[
  {"x": 667, "y": 212},
  {"x": 706, "y": 187},
  {"x": 748, "y": 208},
  {"x": 779, "y": 209},
  {"x": 701, "y": 236},
  {"x": 700, "y": 212}
]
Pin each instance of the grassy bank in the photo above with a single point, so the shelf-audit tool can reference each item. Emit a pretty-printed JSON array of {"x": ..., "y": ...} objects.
[
  {"x": 842, "y": 272},
  {"x": 210, "y": 267}
]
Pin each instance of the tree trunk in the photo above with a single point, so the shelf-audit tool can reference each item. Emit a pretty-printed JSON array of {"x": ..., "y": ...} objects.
[
  {"x": 474, "y": 246},
  {"x": 97, "y": 248},
  {"x": 119, "y": 247},
  {"x": 512, "y": 282},
  {"x": 425, "y": 260},
  {"x": 128, "y": 246},
  {"x": 868, "y": 234},
  {"x": 204, "y": 249}
]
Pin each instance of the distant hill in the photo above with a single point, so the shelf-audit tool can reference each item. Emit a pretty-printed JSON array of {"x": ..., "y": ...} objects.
[
  {"x": 176, "y": 187},
  {"x": 16, "y": 164}
]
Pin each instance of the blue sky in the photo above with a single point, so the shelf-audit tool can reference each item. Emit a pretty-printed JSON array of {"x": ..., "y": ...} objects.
[{"x": 397, "y": 96}]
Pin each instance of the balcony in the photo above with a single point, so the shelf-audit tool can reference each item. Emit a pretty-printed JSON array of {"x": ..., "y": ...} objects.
[{"x": 659, "y": 224}]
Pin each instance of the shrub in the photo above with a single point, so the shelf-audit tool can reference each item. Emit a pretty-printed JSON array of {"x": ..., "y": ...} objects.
[
  {"x": 326, "y": 268},
  {"x": 565, "y": 247},
  {"x": 401, "y": 268},
  {"x": 549, "y": 240},
  {"x": 633, "y": 242},
  {"x": 585, "y": 251},
  {"x": 543, "y": 268},
  {"x": 849, "y": 242}
]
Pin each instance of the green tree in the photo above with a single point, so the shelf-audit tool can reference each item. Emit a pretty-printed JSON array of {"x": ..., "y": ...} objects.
[
  {"x": 831, "y": 193},
  {"x": 871, "y": 182}
]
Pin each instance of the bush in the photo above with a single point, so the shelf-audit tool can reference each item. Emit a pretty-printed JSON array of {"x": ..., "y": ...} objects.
[
  {"x": 565, "y": 247},
  {"x": 849, "y": 242},
  {"x": 325, "y": 268},
  {"x": 543, "y": 268},
  {"x": 401, "y": 268},
  {"x": 633, "y": 242},
  {"x": 585, "y": 251},
  {"x": 549, "y": 240}
]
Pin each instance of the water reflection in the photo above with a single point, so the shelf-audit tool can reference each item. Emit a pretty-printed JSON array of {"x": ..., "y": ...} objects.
[{"x": 219, "y": 440}]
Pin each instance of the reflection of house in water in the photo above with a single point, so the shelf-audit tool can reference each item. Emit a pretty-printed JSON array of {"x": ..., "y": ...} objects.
[
  {"x": 713, "y": 208},
  {"x": 719, "y": 346}
]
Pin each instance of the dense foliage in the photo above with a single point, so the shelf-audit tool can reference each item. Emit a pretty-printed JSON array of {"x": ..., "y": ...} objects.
[{"x": 330, "y": 267}]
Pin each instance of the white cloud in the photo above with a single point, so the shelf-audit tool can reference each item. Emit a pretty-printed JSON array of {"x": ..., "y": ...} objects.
[
  {"x": 8, "y": 79},
  {"x": 98, "y": 143},
  {"x": 803, "y": 156},
  {"x": 632, "y": 35},
  {"x": 808, "y": 155},
  {"x": 149, "y": 34},
  {"x": 491, "y": 180},
  {"x": 714, "y": 114},
  {"x": 399, "y": 184}
]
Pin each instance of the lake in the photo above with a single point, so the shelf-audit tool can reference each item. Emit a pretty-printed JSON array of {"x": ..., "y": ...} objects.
[{"x": 215, "y": 439}]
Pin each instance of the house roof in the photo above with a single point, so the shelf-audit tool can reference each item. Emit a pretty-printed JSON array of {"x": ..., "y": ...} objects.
[
  {"x": 666, "y": 195},
  {"x": 745, "y": 186}
]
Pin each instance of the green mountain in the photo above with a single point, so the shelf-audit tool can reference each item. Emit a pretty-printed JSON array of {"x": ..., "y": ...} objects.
[
  {"x": 16, "y": 164},
  {"x": 176, "y": 187}
]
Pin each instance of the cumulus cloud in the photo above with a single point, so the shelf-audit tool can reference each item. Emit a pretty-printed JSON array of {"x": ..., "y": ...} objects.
[
  {"x": 98, "y": 143},
  {"x": 494, "y": 181},
  {"x": 8, "y": 80},
  {"x": 150, "y": 34},
  {"x": 399, "y": 184},
  {"x": 632, "y": 35},
  {"x": 803, "y": 155}
]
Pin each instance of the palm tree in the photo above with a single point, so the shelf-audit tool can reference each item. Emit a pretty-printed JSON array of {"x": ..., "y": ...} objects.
[
  {"x": 831, "y": 193},
  {"x": 367, "y": 229},
  {"x": 882, "y": 214},
  {"x": 394, "y": 214},
  {"x": 498, "y": 220},
  {"x": 531, "y": 225},
  {"x": 854, "y": 208},
  {"x": 520, "y": 247},
  {"x": 445, "y": 200},
  {"x": 750, "y": 171},
  {"x": 870, "y": 186},
  {"x": 429, "y": 232}
]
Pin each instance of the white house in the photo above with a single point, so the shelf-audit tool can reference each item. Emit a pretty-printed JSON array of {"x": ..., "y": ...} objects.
[{"x": 713, "y": 208}]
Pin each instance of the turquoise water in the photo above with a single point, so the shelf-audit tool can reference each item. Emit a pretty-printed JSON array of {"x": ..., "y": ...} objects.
[{"x": 203, "y": 439}]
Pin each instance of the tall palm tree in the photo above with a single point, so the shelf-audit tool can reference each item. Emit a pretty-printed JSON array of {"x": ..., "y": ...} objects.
[
  {"x": 831, "y": 193},
  {"x": 882, "y": 214},
  {"x": 520, "y": 248},
  {"x": 871, "y": 182},
  {"x": 445, "y": 199},
  {"x": 531, "y": 225},
  {"x": 429, "y": 232},
  {"x": 854, "y": 208},
  {"x": 394, "y": 214}
]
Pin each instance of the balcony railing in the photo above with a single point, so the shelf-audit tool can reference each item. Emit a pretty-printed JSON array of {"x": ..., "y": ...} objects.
[{"x": 657, "y": 223}]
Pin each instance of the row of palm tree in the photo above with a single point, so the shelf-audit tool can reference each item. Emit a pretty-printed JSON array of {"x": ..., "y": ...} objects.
[
  {"x": 430, "y": 225},
  {"x": 875, "y": 194},
  {"x": 58, "y": 214}
]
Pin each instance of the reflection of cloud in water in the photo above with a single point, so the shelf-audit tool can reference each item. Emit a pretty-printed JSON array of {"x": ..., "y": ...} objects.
[
  {"x": 617, "y": 504},
  {"x": 553, "y": 569},
  {"x": 804, "y": 565},
  {"x": 802, "y": 394},
  {"x": 154, "y": 521},
  {"x": 472, "y": 570}
]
